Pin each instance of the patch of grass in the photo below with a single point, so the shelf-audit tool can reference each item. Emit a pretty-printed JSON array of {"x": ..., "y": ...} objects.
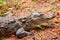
[
  {"x": 3, "y": 15},
  {"x": 35, "y": 1},
  {"x": 39, "y": 37},
  {"x": 54, "y": 9},
  {"x": 2, "y": 2},
  {"x": 40, "y": 26},
  {"x": 1, "y": 10}
]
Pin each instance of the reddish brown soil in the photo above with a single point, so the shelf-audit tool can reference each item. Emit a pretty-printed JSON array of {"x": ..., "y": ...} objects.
[{"x": 46, "y": 34}]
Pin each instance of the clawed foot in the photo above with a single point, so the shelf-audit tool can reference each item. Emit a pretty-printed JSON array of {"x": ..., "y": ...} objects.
[
  {"x": 24, "y": 34},
  {"x": 29, "y": 33},
  {"x": 21, "y": 33}
]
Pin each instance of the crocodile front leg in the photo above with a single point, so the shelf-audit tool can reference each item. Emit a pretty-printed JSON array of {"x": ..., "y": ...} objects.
[{"x": 21, "y": 33}]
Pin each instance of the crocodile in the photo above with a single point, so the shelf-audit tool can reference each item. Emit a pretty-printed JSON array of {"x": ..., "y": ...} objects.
[{"x": 20, "y": 26}]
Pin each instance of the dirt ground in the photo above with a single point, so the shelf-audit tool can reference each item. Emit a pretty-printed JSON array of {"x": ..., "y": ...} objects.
[{"x": 46, "y": 34}]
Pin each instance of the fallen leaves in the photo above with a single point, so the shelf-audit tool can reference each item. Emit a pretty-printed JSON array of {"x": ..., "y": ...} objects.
[
  {"x": 56, "y": 21},
  {"x": 56, "y": 31}
]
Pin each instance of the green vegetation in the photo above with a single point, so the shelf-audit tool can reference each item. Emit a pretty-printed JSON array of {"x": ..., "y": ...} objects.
[
  {"x": 17, "y": 4},
  {"x": 2, "y": 2},
  {"x": 54, "y": 9},
  {"x": 3, "y": 15},
  {"x": 1, "y": 5},
  {"x": 35, "y": 1},
  {"x": 39, "y": 37},
  {"x": 1, "y": 10},
  {"x": 40, "y": 26},
  {"x": 4, "y": 6}
]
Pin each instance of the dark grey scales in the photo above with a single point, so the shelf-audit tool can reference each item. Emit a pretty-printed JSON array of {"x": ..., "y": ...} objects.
[{"x": 20, "y": 26}]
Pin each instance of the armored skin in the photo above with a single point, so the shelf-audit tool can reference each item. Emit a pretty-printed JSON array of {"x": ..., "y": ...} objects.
[{"x": 20, "y": 26}]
